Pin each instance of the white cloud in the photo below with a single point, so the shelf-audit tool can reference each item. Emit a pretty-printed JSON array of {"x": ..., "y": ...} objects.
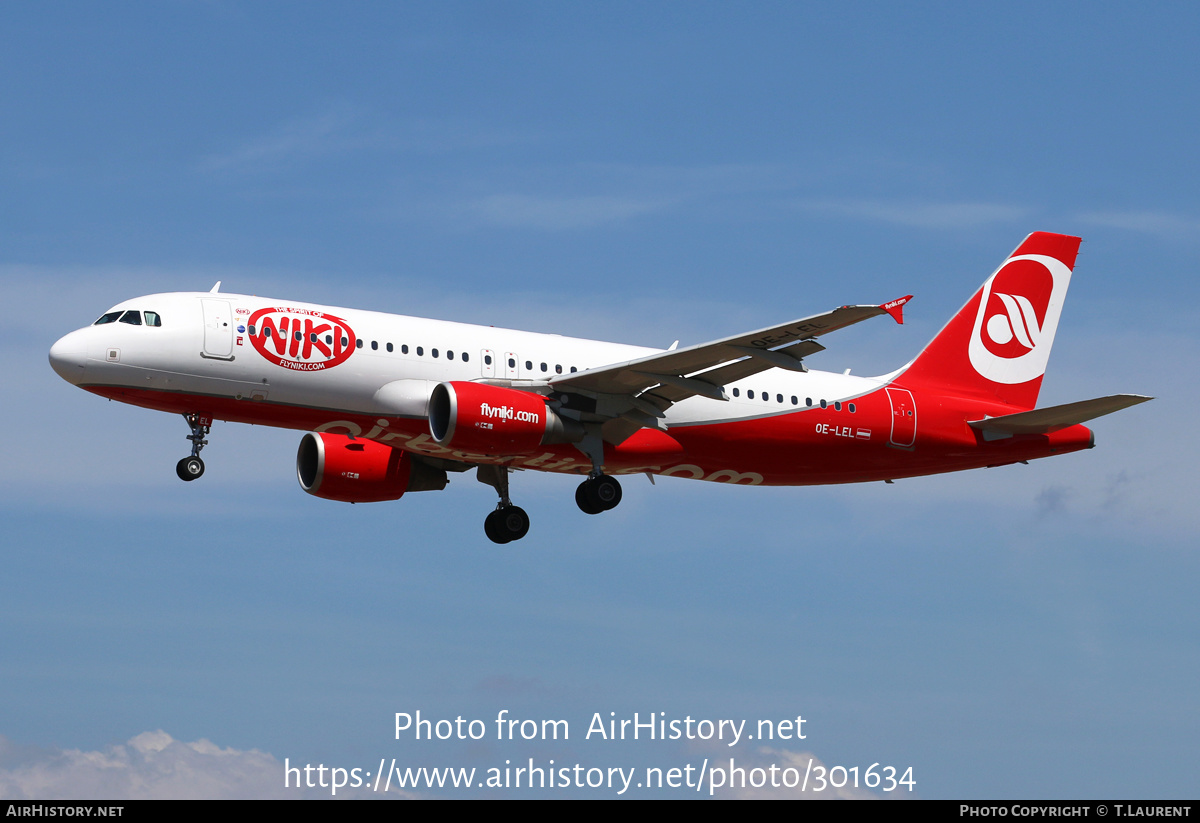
[
  {"x": 561, "y": 212},
  {"x": 300, "y": 138},
  {"x": 920, "y": 215},
  {"x": 1162, "y": 224},
  {"x": 152, "y": 766}
]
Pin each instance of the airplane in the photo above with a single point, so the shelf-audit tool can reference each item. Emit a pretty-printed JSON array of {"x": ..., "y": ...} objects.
[{"x": 394, "y": 404}]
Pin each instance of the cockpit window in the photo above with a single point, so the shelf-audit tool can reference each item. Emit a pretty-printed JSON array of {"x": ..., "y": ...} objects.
[{"x": 132, "y": 317}]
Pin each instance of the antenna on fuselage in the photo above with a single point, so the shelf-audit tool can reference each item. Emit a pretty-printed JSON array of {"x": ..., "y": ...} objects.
[{"x": 216, "y": 288}]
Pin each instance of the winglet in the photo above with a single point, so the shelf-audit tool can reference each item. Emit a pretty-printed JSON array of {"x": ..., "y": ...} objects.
[
  {"x": 896, "y": 308},
  {"x": 215, "y": 288}
]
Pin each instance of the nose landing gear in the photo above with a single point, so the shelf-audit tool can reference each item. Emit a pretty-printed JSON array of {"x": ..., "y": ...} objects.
[{"x": 189, "y": 468}]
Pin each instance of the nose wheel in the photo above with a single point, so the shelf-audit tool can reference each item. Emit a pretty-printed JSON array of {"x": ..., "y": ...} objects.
[
  {"x": 189, "y": 468},
  {"x": 598, "y": 494}
]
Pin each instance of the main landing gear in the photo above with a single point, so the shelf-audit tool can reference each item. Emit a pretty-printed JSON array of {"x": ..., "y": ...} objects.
[
  {"x": 598, "y": 493},
  {"x": 189, "y": 468},
  {"x": 508, "y": 522}
]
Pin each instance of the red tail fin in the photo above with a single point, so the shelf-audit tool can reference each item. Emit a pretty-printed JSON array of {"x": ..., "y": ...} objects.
[{"x": 998, "y": 343}]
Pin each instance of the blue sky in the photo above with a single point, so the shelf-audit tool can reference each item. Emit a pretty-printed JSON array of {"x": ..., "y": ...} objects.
[{"x": 634, "y": 173}]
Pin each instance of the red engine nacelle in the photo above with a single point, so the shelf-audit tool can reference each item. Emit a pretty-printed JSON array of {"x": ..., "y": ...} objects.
[
  {"x": 494, "y": 420},
  {"x": 335, "y": 467}
]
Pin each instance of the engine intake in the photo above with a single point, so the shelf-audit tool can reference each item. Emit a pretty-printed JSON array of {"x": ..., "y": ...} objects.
[{"x": 495, "y": 420}]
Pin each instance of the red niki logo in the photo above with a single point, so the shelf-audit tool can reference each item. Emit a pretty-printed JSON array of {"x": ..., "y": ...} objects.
[{"x": 301, "y": 339}]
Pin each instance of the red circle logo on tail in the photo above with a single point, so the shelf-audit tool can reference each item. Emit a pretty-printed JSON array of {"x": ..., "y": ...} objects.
[
  {"x": 1017, "y": 318},
  {"x": 1015, "y": 313}
]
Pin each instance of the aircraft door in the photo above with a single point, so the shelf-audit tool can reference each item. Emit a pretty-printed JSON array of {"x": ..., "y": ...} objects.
[
  {"x": 218, "y": 329},
  {"x": 510, "y": 366},
  {"x": 904, "y": 417}
]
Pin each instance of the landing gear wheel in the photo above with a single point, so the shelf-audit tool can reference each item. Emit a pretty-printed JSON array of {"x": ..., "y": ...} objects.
[
  {"x": 598, "y": 494},
  {"x": 583, "y": 501},
  {"x": 189, "y": 468},
  {"x": 506, "y": 524}
]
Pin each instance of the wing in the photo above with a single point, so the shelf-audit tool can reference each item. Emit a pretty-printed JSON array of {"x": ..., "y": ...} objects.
[{"x": 639, "y": 391}]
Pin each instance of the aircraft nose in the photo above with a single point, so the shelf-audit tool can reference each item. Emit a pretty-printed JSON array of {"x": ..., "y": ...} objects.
[{"x": 68, "y": 356}]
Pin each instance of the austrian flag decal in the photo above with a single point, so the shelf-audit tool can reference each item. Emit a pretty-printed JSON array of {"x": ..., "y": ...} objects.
[{"x": 301, "y": 339}]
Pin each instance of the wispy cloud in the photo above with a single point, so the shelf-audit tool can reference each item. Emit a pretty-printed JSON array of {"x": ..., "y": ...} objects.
[
  {"x": 1052, "y": 500},
  {"x": 1161, "y": 224},
  {"x": 341, "y": 128},
  {"x": 551, "y": 213},
  {"x": 298, "y": 139},
  {"x": 151, "y": 766},
  {"x": 923, "y": 215},
  {"x": 590, "y": 194}
]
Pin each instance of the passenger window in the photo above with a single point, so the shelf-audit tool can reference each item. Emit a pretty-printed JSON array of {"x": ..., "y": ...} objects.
[
  {"x": 152, "y": 319},
  {"x": 133, "y": 318},
  {"x": 433, "y": 352},
  {"x": 111, "y": 317},
  {"x": 528, "y": 365},
  {"x": 850, "y": 406},
  {"x": 404, "y": 349},
  {"x": 824, "y": 405},
  {"x": 389, "y": 347},
  {"x": 573, "y": 370},
  {"x": 358, "y": 344},
  {"x": 466, "y": 358},
  {"x": 808, "y": 401},
  {"x": 557, "y": 368},
  {"x": 249, "y": 329},
  {"x": 544, "y": 367},
  {"x": 420, "y": 351},
  {"x": 750, "y": 394},
  {"x": 795, "y": 400},
  {"x": 374, "y": 345},
  {"x": 487, "y": 359},
  {"x": 837, "y": 405},
  {"x": 345, "y": 342},
  {"x": 449, "y": 354},
  {"x": 736, "y": 393},
  {"x": 512, "y": 364}
]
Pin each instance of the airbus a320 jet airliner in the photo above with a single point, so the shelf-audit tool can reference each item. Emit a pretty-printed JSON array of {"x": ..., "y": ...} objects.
[{"x": 395, "y": 404}]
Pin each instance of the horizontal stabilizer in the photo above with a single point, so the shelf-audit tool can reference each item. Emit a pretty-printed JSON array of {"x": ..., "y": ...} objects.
[{"x": 1054, "y": 418}]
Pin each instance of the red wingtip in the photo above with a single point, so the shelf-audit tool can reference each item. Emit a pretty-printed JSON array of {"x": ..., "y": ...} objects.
[{"x": 896, "y": 308}]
